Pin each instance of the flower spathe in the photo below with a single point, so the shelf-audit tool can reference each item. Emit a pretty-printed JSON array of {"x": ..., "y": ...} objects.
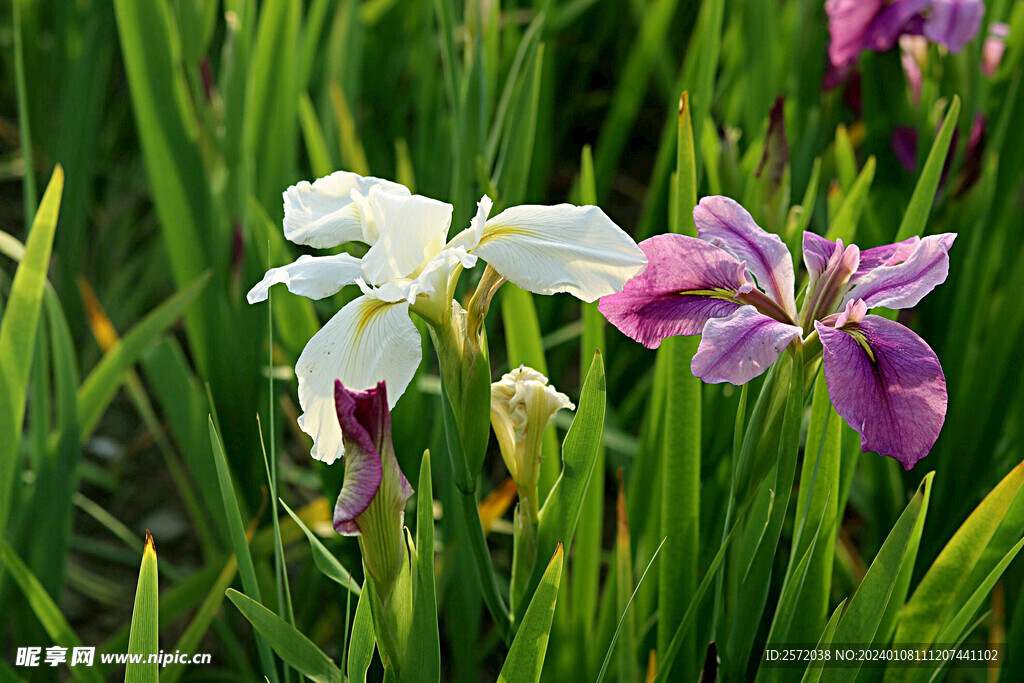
[
  {"x": 374, "y": 492},
  {"x": 523, "y": 404},
  {"x": 411, "y": 266},
  {"x": 734, "y": 286}
]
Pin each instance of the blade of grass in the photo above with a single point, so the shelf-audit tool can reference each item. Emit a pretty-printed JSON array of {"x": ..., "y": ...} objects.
[
  {"x": 526, "y": 656},
  {"x": 325, "y": 561},
  {"x": 681, "y": 439},
  {"x": 921, "y": 201},
  {"x": 238, "y": 541},
  {"x": 102, "y": 383},
  {"x": 18, "y": 335},
  {"x": 46, "y": 610},
  {"x": 293, "y": 647},
  {"x": 586, "y": 565},
  {"x": 144, "y": 638},
  {"x": 360, "y": 646}
]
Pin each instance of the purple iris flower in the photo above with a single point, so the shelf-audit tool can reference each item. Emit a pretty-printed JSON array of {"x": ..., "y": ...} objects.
[
  {"x": 859, "y": 25},
  {"x": 373, "y": 495},
  {"x": 734, "y": 286}
]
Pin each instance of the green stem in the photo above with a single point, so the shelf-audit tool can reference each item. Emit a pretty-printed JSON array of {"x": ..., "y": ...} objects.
[{"x": 484, "y": 568}]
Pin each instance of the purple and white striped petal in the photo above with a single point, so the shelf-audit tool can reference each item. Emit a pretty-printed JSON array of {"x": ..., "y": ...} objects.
[
  {"x": 903, "y": 285},
  {"x": 363, "y": 468},
  {"x": 686, "y": 283},
  {"x": 953, "y": 23},
  {"x": 739, "y": 348},
  {"x": 366, "y": 427},
  {"x": 887, "y": 384},
  {"x": 724, "y": 223}
]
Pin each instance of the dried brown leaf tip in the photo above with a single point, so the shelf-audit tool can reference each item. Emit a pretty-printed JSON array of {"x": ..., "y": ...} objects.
[{"x": 150, "y": 544}]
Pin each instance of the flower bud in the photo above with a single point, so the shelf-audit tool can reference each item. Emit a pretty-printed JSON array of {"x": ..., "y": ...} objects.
[
  {"x": 371, "y": 504},
  {"x": 523, "y": 404}
]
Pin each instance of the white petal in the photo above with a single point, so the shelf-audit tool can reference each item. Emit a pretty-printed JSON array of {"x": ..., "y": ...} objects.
[
  {"x": 471, "y": 236},
  {"x": 322, "y": 214},
  {"x": 366, "y": 341},
  {"x": 434, "y": 277},
  {"x": 410, "y": 230},
  {"x": 315, "y": 277},
  {"x": 563, "y": 248}
]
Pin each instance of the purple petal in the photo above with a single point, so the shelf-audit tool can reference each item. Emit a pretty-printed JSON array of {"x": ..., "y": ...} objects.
[
  {"x": 853, "y": 313},
  {"x": 848, "y": 21},
  {"x": 817, "y": 252},
  {"x": 893, "y": 20},
  {"x": 739, "y": 348},
  {"x": 954, "y": 22},
  {"x": 366, "y": 429},
  {"x": 828, "y": 282},
  {"x": 726, "y": 224},
  {"x": 894, "y": 397},
  {"x": 905, "y": 284},
  {"x": 885, "y": 255},
  {"x": 655, "y": 305}
]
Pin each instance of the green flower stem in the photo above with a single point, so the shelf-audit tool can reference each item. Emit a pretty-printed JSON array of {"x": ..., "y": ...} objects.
[{"x": 524, "y": 553}]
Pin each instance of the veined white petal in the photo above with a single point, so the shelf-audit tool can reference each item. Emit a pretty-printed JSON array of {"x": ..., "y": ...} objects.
[
  {"x": 434, "y": 277},
  {"x": 322, "y": 214},
  {"x": 410, "y": 231},
  {"x": 315, "y": 277},
  {"x": 366, "y": 341},
  {"x": 562, "y": 248}
]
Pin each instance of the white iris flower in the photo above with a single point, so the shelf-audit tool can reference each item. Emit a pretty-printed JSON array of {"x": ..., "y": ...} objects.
[{"x": 411, "y": 265}]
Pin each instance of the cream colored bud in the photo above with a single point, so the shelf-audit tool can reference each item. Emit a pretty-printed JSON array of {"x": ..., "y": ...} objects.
[{"x": 523, "y": 404}]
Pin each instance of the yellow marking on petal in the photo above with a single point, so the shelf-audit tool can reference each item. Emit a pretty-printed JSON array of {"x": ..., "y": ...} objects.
[
  {"x": 862, "y": 340},
  {"x": 367, "y": 314},
  {"x": 501, "y": 230},
  {"x": 718, "y": 293}
]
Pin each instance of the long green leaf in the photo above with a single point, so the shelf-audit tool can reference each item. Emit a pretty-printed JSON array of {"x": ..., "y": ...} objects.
[
  {"x": 681, "y": 438},
  {"x": 144, "y": 638},
  {"x": 423, "y": 651},
  {"x": 862, "y": 620},
  {"x": 151, "y": 50},
  {"x": 954, "y": 578},
  {"x": 236, "y": 530},
  {"x": 561, "y": 510},
  {"x": 813, "y": 673},
  {"x": 844, "y": 225},
  {"x": 324, "y": 559},
  {"x": 102, "y": 383},
  {"x": 526, "y": 656},
  {"x": 293, "y": 647},
  {"x": 360, "y": 646},
  {"x": 921, "y": 201},
  {"x": 18, "y": 335},
  {"x": 586, "y": 567},
  {"x": 46, "y": 610}
]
